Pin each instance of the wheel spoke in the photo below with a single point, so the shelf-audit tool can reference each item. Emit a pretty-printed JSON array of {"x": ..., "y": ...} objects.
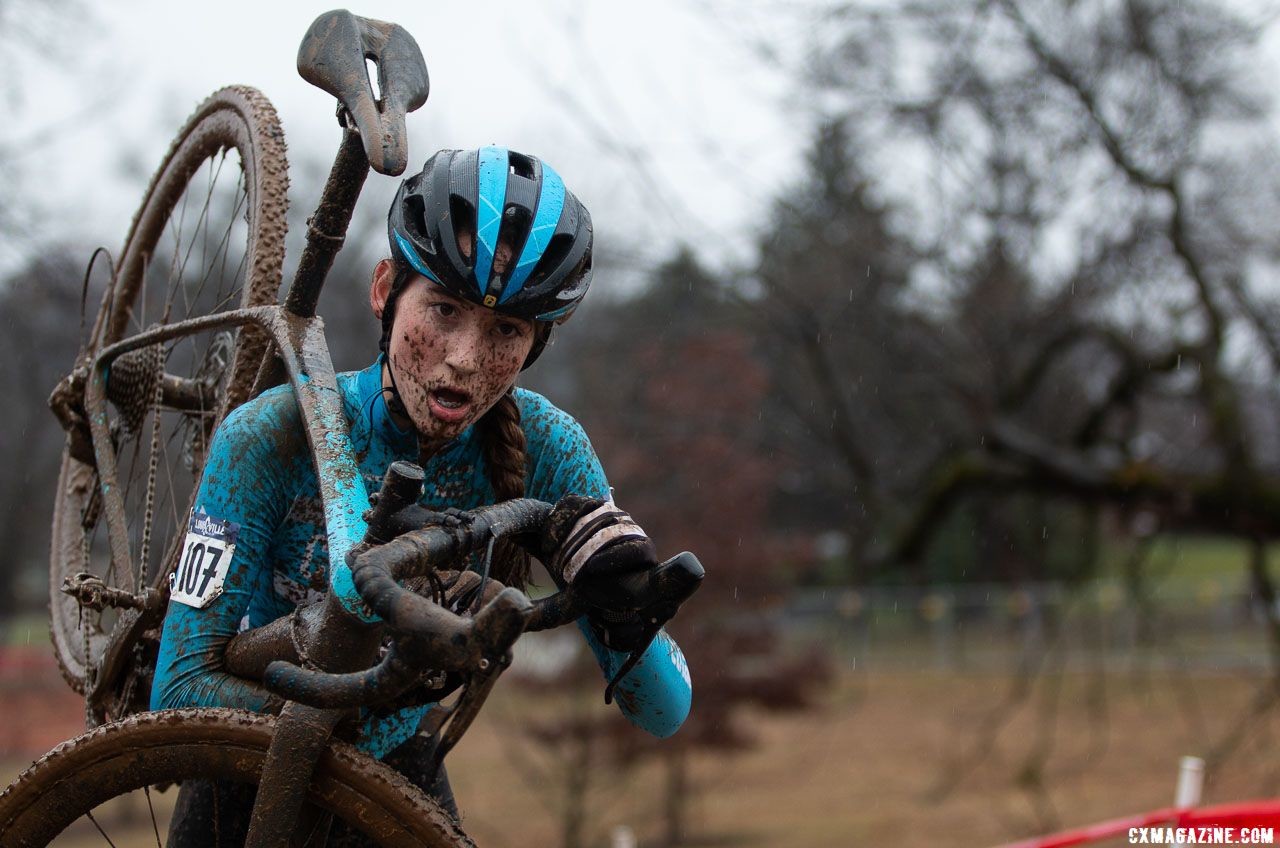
[
  {"x": 202, "y": 224},
  {"x": 242, "y": 197},
  {"x": 176, "y": 230},
  {"x": 100, "y": 830},
  {"x": 151, "y": 809},
  {"x": 241, "y": 271},
  {"x": 185, "y": 247}
]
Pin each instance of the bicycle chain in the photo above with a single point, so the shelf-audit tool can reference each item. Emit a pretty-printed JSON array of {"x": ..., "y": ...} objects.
[
  {"x": 135, "y": 386},
  {"x": 131, "y": 680},
  {"x": 152, "y": 465},
  {"x": 88, "y": 521}
]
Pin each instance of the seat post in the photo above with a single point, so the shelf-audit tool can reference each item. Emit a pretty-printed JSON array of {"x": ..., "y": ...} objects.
[{"x": 327, "y": 228}]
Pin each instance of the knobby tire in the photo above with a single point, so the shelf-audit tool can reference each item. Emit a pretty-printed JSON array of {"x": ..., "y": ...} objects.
[
  {"x": 235, "y": 118},
  {"x": 174, "y": 745}
]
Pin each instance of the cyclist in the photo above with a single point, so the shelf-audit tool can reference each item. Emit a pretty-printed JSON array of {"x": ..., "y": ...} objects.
[{"x": 489, "y": 251}]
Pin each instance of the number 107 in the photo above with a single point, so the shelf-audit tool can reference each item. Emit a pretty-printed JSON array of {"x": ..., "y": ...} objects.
[{"x": 194, "y": 567}]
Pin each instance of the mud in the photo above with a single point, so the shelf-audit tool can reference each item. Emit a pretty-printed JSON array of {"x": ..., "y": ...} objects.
[
  {"x": 440, "y": 342},
  {"x": 332, "y": 57},
  {"x": 172, "y": 746}
]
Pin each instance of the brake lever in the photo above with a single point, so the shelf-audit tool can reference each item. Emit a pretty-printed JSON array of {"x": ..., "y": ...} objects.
[
  {"x": 459, "y": 717},
  {"x": 673, "y": 583},
  {"x": 496, "y": 630},
  {"x": 632, "y": 659}
]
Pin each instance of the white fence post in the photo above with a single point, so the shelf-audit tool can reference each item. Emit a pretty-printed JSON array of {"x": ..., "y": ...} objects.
[{"x": 1190, "y": 784}]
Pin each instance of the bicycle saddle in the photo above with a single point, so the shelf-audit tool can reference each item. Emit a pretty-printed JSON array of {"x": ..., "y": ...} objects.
[{"x": 332, "y": 57}]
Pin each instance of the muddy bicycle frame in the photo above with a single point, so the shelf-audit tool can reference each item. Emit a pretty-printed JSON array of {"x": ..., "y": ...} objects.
[
  {"x": 333, "y": 57},
  {"x": 348, "y": 634}
]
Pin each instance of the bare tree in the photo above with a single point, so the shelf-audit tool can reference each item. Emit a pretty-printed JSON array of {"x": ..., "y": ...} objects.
[
  {"x": 1084, "y": 304},
  {"x": 1082, "y": 273}
]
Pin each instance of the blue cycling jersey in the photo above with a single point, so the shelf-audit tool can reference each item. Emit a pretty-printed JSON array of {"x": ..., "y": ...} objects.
[{"x": 259, "y": 481}]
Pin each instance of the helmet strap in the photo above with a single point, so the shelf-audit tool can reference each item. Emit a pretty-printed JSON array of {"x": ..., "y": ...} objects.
[
  {"x": 398, "y": 284},
  {"x": 394, "y": 401},
  {"x": 541, "y": 337}
]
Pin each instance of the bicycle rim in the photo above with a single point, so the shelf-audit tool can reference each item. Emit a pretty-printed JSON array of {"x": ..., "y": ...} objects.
[
  {"x": 103, "y": 765},
  {"x": 209, "y": 237}
]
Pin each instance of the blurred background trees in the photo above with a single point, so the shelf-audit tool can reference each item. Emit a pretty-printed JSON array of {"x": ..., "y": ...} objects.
[
  {"x": 1068, "y": 297},
  {"x": 1024, "y": 272}
]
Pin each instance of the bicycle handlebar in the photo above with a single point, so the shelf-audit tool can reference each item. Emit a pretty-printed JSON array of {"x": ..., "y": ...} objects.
[
  {"x": 486, "y": 642},
  {"x": 377, "y": 571},
  {"x": 429, "y": 636}
]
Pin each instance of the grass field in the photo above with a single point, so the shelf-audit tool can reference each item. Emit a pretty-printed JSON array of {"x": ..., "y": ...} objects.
[
  {"x": 1186, "y": 557},
  {"x": 864, "y": 768}
]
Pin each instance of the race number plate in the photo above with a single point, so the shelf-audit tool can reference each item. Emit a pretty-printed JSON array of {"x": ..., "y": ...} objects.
[{"x": 206, "y": 558}]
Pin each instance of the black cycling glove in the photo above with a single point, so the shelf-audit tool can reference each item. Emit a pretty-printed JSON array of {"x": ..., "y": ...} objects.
[{"x": 605, "y": 556}]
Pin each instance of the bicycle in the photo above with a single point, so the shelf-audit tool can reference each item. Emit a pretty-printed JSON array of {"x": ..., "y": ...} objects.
[{"x": 140, "y": 392}]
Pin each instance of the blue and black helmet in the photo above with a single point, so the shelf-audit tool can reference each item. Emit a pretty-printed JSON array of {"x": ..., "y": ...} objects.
[{"x": 497, "y": 228}]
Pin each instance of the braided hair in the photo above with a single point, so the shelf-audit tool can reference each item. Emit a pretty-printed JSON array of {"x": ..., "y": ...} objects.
[{"x": 503, "y": 443}]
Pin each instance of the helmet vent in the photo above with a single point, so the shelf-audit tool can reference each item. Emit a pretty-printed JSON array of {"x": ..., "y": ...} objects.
[
  {"x": 516, "y": 221},
  {"x": 521, "y": 165},
  {"x": 415, "y": 219},
  {"x": 557, "y": 250},
  {"x": 463, "y": 216}
]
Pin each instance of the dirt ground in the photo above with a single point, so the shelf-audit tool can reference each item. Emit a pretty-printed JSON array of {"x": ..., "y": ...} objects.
[
  {"x": 38, "y": 710},
  {"x": 888, "y": 760},
  {"x": 869, "y": 767}
]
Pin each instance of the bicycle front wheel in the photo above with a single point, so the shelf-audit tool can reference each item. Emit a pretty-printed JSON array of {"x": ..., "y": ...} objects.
[
  {"x": 208, "y": 237},
  {"x": 79, "y": 776}
]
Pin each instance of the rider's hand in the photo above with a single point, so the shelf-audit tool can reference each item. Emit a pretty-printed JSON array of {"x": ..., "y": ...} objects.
[{"x": 604, "y": 555}]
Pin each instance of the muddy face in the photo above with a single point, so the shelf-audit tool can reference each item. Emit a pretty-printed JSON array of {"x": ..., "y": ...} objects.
[{"x": 453, "y": 360}]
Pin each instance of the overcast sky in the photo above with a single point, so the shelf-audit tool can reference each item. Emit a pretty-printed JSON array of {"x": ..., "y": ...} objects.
[{"x": 659, "y": 115}]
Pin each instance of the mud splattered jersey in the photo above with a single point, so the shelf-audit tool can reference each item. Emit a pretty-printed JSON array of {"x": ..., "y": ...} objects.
[{"x": 260, "y": 486}]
